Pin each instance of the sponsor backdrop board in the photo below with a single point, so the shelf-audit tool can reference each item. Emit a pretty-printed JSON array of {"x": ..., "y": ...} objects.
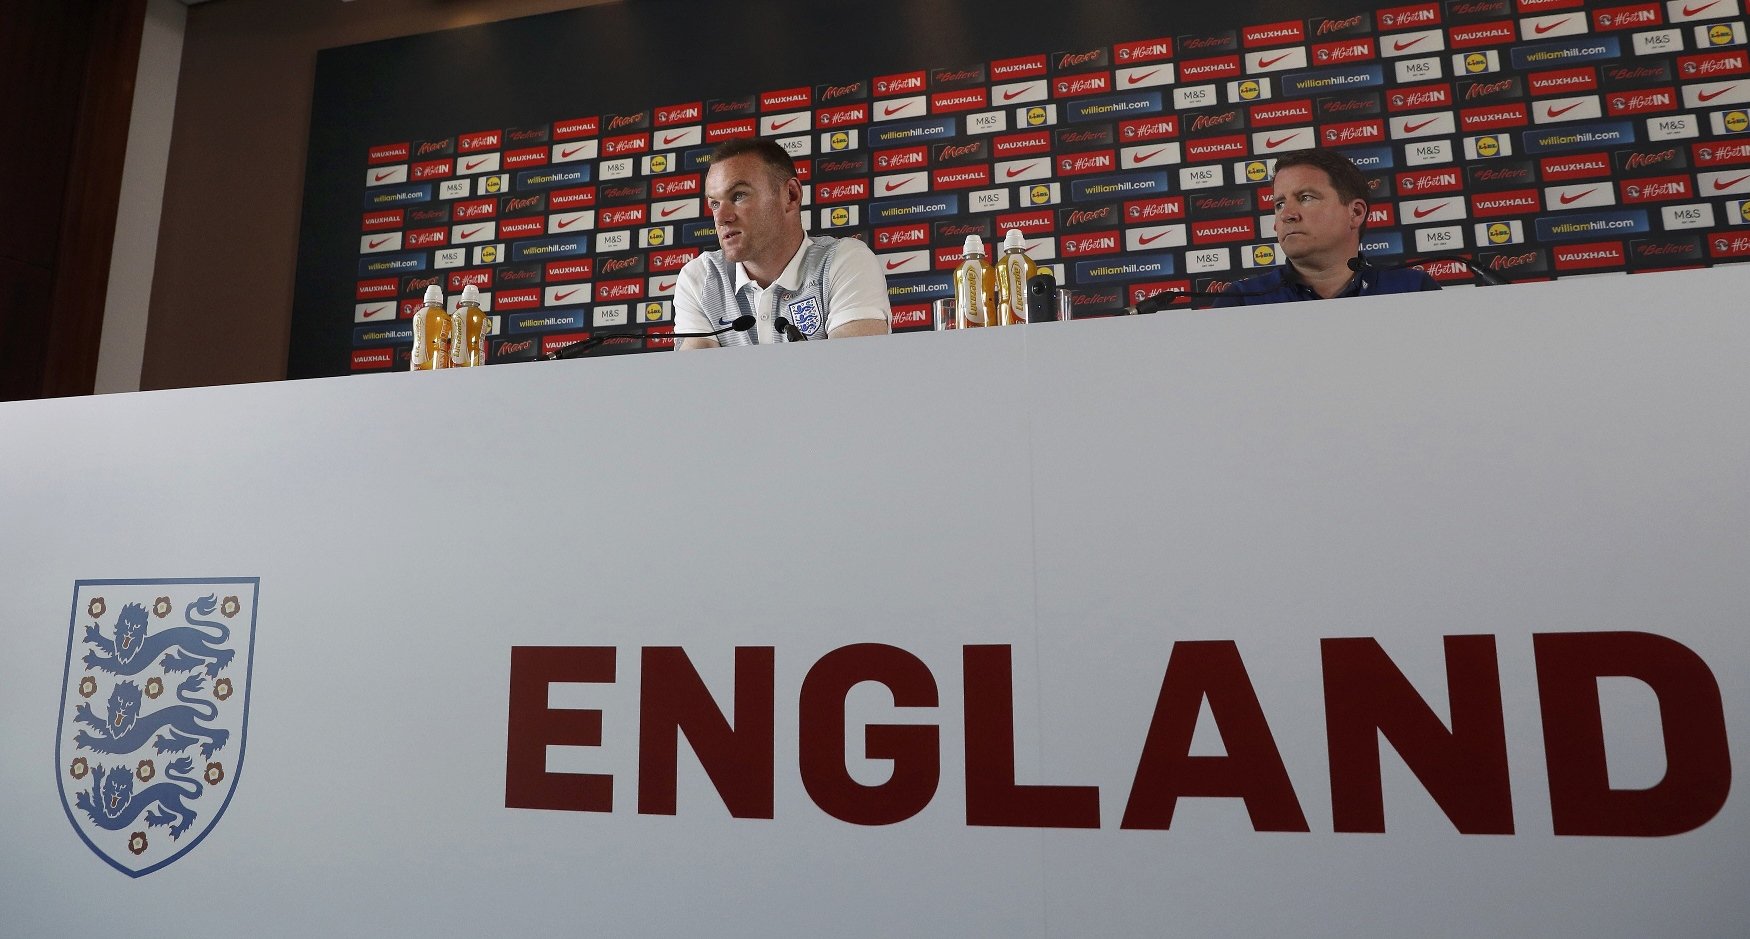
[
  {"x": 557, "y": 162},
  {"x": 1379, "y": 621}
]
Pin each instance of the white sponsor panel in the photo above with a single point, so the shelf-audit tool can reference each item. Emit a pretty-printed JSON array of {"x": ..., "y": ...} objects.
[
  {"x": 1162, "y": 153},
  {"x": 1563, "y": 110},
  {"x": 1579, "y": 196},
  {"x": 897, "y": 109},
  {"x": 1195, "y": 96},
  {"x": 1418, "y": 43},
  {"x": 1206, "y": 176},
  {"x": 1279, "y": 59},
  {"x": 609, "y": 242},
  {"x": 1715, "y": 94},
  {"x": 623, "y": 168},
  {"x": 988, "y": 200},
  {"x": 1035, "y": 115},
  {"x": 1428, "y": 153},
  {"x": 1041, "y": 249},
  {"x": 1552, "y": 26},
  {"x": 1015, "y": 171},
  {"x": 987, "y": 122},
  {"x": 574, "y": 151},
  {"x": 1723, "y": 183},
  {"x": 1719, "y": 35},
  {"x": 1039, "y": 194},
  {"x": 1489, "y": 234},
  {"x": 894, "y": 185},
  {"x": 1283, "y": 139},
  {"x": 670, "y": 138},
  {"x": 1428, "y": 211},
  {"x": 458, "y": 188},
  {"x": 1687, "y": 11},
  {"x": 674, "y": 210},
  {"x": 1657, "y": 42},
  {"x": 1692, "y": 215},
  {"x": 1674, "y": 127},
  {"x": 1442, "y": 238},
  {"x": 446, "y": 258},
  {"x": 1152, "y": 75},
  {"x": 838, "y": 141},
  {"x": 487, "y": 254},
  {"x": 656, "y": 164},
  {"x": 568, "y": 223},
  {"x": 489, "y": 184},
  {"x": 1476, "y": 63},
  {"x": 473, "y": 233},
  {"x": 1488, "y": 146},
  {"x": 788, "y": 123},
  {"x": 478, "y": 163},
  {"x": 1410, "y": 71},
  {"x": 905, "y": 262},
  {"x": 653, "y": 236},
  {"x": 799, "y": 146},
  {"x": 565, "y": 294},
  {"x": 1412, "y": 126},
  {"x": 1738, "y": 212},
  {"x": 841, "y": 216},
  {"x": 613, "y": 314},
  {"x": 385, "y": 175},
  {"x": 376, "y": 312},
  {"x": 1208, "y": 260},
  {"x": 1254, "y": 171},
  {"x": 661, "y": 286},
  {"x": 1154, "y": 237},
  {"x": 1020, "y": 92},
  {"x": 1248, "y": 90},
  {"x": 380, "y": 242}
]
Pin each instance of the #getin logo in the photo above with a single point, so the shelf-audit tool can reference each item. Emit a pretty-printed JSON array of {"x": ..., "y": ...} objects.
[{"x": 154, "y": 713}]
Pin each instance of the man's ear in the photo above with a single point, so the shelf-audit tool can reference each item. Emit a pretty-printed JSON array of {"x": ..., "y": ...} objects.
[
  {"x": 1357, "y": 213},
  {"x": 793, "y": 193}
]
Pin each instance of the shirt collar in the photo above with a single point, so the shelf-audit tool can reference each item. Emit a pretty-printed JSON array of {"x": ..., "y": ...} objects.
[
  {"x": 1291, "y": 278},
  {"x": 790, "y": 279}
]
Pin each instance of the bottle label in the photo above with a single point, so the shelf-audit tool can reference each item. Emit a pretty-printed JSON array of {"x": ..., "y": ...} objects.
[{"x": 419, "y": 347}]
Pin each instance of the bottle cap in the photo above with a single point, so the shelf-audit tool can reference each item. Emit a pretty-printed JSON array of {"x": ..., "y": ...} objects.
[
  {"x": 434, "y": 295},
  {"x": 471, "y": 295},
  {"x": 974, "y": 245},
  {"x": 1014, "y": 240}
]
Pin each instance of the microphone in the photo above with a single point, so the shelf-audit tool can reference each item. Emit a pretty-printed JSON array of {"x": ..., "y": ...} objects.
[
  {"x": 742, "y": 324},
  {"x": 1482, "y": 274},
  {"x": 1041, "y": 298},
  {"x": 788, "y": 330},
  {"x": 1155, "y": 303}
]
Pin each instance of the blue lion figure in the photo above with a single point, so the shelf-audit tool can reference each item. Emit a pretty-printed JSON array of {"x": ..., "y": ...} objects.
[
  {"x": 183, "y": 647},
  {"x": 113, "y": 805},
  {"x": 125, "y": 729}
]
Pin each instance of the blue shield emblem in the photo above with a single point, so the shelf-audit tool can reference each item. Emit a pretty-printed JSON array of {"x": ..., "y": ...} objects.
[
  {"x": 154, "y": 713},
  {"x": 805, "y": 313}
]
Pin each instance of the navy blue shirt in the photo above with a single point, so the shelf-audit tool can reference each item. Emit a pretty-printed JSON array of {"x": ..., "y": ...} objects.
[{"x": 1283, "y": 285}]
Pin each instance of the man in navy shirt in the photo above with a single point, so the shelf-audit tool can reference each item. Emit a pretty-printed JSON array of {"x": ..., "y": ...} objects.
[{"x": 1321, "y": 209}]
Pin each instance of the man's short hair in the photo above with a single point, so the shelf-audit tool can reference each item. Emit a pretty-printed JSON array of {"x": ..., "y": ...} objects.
[
  {"x": 766, "y": 149},
  {"x": 1345, "y": 178}
]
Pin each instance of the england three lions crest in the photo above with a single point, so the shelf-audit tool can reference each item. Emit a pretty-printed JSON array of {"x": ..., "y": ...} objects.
[{"x": 154, "y": 713}]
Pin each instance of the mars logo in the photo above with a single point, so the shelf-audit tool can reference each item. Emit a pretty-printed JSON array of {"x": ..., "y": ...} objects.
[{"x": 154, "y": 714}]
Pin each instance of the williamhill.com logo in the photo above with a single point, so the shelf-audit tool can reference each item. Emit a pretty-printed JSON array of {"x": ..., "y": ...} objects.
[{"x": 154, "y": 713}]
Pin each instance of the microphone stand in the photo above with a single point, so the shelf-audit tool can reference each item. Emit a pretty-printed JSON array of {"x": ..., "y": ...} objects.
[{"x": 742, "y": 324}]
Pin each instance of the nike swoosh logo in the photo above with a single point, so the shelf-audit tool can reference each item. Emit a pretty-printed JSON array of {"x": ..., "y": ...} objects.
[
  {"x": 666, "y": 139},
  {"x": 672, "y": 210},
  {"x": 1012, "y": 173},
  {"x": 1571, "y": 198},
  {"x": 892, "y": 186},
  {"x": 1424, "y": 213},
  {"x": 890, "y": 110},
  {"x": 569, "y": 222},
  {"x": 1400, "y": 45},
  {"x": 895, "y": 265},
  {"x": 1724, "y": 184},
  {"x": 1412, "y": 128},
  {"x": 470, "y": 234},
  {"x": 383, "y": 176},
  {"x": 1542, "y": 28},
  {"x": 472, "y": 165},
  {"x": 1145, "y": 157},
  {"x": 1710, "y": 95},
  {"x": 784, "y": 124},
  {"x": 560, "y": 297},
  {"x": 1271, "y": 143},
  {"x": 379, "y": 243},
  {"x": 1145, "y": 76},
  {"x": 1558, "y": 112},
  {"x": 668, "y": 286},
  {"x": 1150, "y": 239},
  {"x": 1266, "y": 63},
  {"x": 723, "y": 322},
  {"x": 377, "y": 312},
  {"x": 568, "y": 154},
  {"x": 1691, "y": 11}
]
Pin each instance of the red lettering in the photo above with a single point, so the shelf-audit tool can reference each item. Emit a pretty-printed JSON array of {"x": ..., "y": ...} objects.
[
  {"x": 738, "y": 759},
  {"x": 992, "y": 797},
  {"x": 915, "y": 749},
  {"x": 533, "y": 726}
]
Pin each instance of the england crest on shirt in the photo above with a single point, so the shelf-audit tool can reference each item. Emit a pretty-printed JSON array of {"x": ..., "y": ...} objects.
[
  {"x": 154, "y": 713},
  {"x": 805, "y": 314}
]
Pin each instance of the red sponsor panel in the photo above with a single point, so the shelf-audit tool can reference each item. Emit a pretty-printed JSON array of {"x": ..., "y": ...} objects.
[
  {"x": 845, "y": 115},
  {"x": 581, "y": 197},
  {"x": 659, "y": 337},
  {"x": 1510, "y": 114},
  {"x": 622, "y": 216},
  {"x": 409, "y": 308},
  {"x": 377, "y": 289},
  {"x": 966, "y": 99},
  {"x": 1075, "y": 246},
  {"x": 805, "y": 170},
  {"x": 480, "y": 278},
  {"x": 730, "y": 130},
  {"x": 1547, "y": 6},
  {"x": 1274, "y": 113},
  {"x": 1350, "y": 133},
  {"x": 553, "y": 342},
  {"x": 1579, "y": 166},
  {"x": 1382, "y": 215},
  {"x": 1344, "y": 50},
  {"x": 669, "y": 187},
  {"x": 382, "y": 221},
  {"x": 1210, "y": 69},
  {"x": 1511, "y": 202},
  {"x": 1015, "y": 145},
  {"x": 389, "y": 153},
  {"x": 480, "y": 140},
  {"x": 1008, "y": 70},
  {"x": 894, "y": 237},
  {"x": 432, "y": 169},
  {"x": 1588, "y": 255},
  {"x": 1287, "y": 32},
  {"x": 560, "y": 272},
  {"x": 1562, "y": 80},
  {"x": 531, "y": 156},
  {"x": 901, "y": 83},
  {"x": 1713, "y": 64},
  {"x": 1497, "y": 33},
  {"x": 1430, "y": 181},
  {"x": 607, "y": 291},
  {"x": 523, "y": 227},
  {"x": 913, "y": 316},
  {"x": 1410, "y": 17},
  {"x": 1222, "y": 230},
  {"x": 1721, "y": 153},
  {"x": 1143, "y": 50},
  {"x": 1149, "y": 128},
  {"x": 946, "y": 259},
  {"x": 1028, "y": 222},
  {"x": 1078, "y": 164},
  {"x": 471, "y": 209},
  {"x": 844, "y": 190},
  {"x": 960, "y": 177},
  {"x": 903, "y": 158},
  {"x": 1637, "y": 16},
  {"x": 1657, "y": 188},
  {"x": 1419, "y": 97},
  {"x": 576, "y": 128},
  {"x": 1643, "y": 101},
  {"x": 1089, "y": 83},
  {"x": 671, "y": 260},
  {"x": 516, "y": 299},
  {"x": 1136, "y": 293},
  {"x": 1215, "y": 148},
  {"x": 1728, "y": 245},
  {"x": 365, "y": 360},
  {"x": 690, "y": 113},
  {"x": 786, "y": 99},
  {"x": 1447, "y": 271},
  {"x": 628, "y": 143},
  {"x": 426, "y": 238}
]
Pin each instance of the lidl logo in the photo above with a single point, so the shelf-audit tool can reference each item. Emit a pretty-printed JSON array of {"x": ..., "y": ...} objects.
[
  {"x": 1038, "y": 194},
  {"x": 839, "y": 140},
  {"x": 1257, "y": 171},
  {"x": 1737, "y": 121},
  {"x": 1248, "y": 89},
  {"x": 659, "y": 163},
  {"x": 840, "y": 216},
  {"x": 493, "y": 183},
  {"x": 1488, "y": 146},
  {"x": 1720, "y": 34},
  {"x": 1500, "y": 234},
  {"x": 652, "y": 312},
  {"x": 1035, "y": 117},
  {"x": 1476, "y": 62},
  {"x": 1263, "y": 255},
  {"x": 655, "y": 237}
]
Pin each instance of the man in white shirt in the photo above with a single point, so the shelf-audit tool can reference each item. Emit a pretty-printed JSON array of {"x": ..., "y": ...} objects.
[{"x": 768, "y": 267}]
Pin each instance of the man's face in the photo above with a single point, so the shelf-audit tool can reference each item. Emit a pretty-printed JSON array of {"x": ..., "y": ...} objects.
[
  {"x": 1313, "y": 223},
  {"x": 756, "y": 215}
]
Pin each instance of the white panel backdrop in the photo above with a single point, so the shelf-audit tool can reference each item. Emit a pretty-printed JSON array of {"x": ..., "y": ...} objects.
[{"x": 1573, "y": 457}]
